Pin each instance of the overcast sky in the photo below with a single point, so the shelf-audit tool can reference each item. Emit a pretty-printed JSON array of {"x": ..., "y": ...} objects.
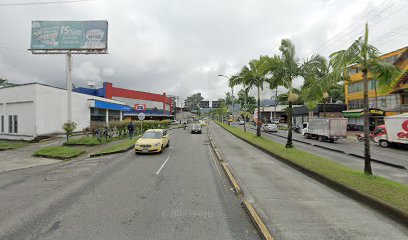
[{"x": 180, "y": 46}]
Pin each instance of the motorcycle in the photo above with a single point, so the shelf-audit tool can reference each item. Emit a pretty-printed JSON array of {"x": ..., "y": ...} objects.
[
  {"x": 360, "y": 137},
  {"x": 296, "y": 128}
]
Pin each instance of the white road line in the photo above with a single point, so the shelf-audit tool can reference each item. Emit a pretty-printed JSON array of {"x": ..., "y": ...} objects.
[
  {"x": 158, "y": 171},
  {"x": 49, "y": 144}
]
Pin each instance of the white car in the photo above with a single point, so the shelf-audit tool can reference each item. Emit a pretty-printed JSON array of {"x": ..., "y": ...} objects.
[{"x": 270, "y": 127}]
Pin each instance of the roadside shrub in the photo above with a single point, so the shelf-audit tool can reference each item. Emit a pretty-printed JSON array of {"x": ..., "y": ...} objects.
[{"x": 69, "y": 128}]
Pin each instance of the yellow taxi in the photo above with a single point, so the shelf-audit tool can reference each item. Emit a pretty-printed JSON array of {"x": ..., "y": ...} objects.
[{"x": 152, "y": 141}]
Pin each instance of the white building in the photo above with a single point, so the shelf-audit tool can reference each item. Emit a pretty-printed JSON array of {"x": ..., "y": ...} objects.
[{"x": 34, "y": 109}]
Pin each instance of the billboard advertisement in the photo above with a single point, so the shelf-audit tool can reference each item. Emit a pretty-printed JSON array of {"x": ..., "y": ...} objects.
[
  {"x": 140, "y": 107},
  {"x": 69, "y": 35}
]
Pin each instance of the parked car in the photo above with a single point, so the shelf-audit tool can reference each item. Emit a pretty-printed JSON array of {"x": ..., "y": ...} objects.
[
  {"x": 270, "y": 127},
  {"x": 276, "y": 121},
  {"x": 196, "y": 128},
  {"x": 174, "y": 122},
  {"x": 241, "y": 122},
  {"x": 152, "y": 141}
]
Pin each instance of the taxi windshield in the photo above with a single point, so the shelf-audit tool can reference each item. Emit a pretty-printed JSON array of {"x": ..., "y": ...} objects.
[{"x": 154, "y": 135}]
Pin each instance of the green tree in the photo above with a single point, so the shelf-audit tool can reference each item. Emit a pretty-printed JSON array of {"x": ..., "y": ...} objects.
[
  {"x": 69, "y": 128},
  {"x": 252, "y": 76},
  {"x": 365, "y": 56},
  {"x": 283, "y": 70},
  {"x": 193, "y": 102}
]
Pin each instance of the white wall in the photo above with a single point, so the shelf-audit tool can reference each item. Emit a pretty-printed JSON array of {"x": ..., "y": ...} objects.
[
  {"x": 18, "y": 101},
  {"x": 52, "y": 110}
]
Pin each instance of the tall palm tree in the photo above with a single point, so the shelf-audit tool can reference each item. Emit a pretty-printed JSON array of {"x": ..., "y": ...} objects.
[
  {"x": 365, "y": 56},
  {"x": 284, "y": 69},
  {"x": 319, "y": 79},
  {"x": 252, "y": 76}
]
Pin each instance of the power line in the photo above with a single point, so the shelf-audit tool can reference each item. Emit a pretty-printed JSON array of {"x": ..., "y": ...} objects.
[
  {"x": 41, "y": 3},
  {"x": 372, "y": 15}
]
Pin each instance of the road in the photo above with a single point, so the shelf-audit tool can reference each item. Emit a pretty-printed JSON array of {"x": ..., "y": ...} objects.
[
  {"x": 180, "y": 194},
  {"x": 392, "y": 173},
  {"x": 295, "y": 206}
]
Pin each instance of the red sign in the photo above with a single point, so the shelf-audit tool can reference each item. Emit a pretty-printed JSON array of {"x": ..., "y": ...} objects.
[
  {"x": 404, "y": 126},
  {"x": 140, "y": 107}
]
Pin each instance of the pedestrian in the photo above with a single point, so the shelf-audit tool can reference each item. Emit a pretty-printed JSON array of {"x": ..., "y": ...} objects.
[{"x": 131, "y": 129}]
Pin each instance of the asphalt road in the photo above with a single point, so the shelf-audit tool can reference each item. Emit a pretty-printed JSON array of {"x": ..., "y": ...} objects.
[
  {"x": 395, "y": 174},
  {"x": 295, "y": 206},
  {"x": 180, "y": 194}
]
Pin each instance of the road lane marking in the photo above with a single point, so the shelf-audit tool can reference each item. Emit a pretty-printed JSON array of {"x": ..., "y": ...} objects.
[
  {"x": 158, "y": 171},
  {"x": 216, "y": 166}
]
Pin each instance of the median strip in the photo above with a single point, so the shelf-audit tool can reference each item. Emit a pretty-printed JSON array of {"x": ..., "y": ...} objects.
[
  {"x": 116, "y": 148},
  {"x": 58, "y": 152},
  {"x": 380, "y": 193},
  {"x": 232, "y": 180}
]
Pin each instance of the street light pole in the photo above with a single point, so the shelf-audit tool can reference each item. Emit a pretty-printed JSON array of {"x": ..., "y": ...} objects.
[{"x": 232, "y": 95}]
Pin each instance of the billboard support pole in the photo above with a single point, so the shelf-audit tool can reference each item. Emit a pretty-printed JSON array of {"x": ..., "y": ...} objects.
[{"x": 69, "y": 85}]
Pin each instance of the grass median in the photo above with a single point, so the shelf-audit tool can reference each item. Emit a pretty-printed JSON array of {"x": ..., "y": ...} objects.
[
  {"x": 58, "y": 152},
  {"x": 90, "y": 141},
  {"x": 390, "y": 192},
  {"x": 9, "y": 144},
  {"x": 117, "y": 148}
]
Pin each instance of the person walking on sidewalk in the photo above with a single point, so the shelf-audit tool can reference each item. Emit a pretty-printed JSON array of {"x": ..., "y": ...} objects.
[{"x": 131, "y": 129}]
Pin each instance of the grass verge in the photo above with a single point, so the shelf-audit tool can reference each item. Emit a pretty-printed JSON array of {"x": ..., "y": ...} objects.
[
  {"x": 8, "y": 144},
  {"x": 58, "y": 152},
  {"x": 117, "y": 148},
  {"x": 387, "y": 191},
  {"x": 90, "y": 141}
]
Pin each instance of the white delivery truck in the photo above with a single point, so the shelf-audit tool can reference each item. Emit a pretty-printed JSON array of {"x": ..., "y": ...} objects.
[
  {"x": 325, "y": 129},
  {"x": 394, "y": 131}
]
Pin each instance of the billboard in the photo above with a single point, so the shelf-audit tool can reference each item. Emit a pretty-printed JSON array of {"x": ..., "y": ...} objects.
[
  {"x": 204, "y": 104},
  {"x": 216, "y": 104},
  {"x": 69, "y": 35},
  {"x": 140, "y": 107}
]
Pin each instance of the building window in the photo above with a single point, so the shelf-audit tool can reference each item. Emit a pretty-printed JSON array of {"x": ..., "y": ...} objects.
[
  {"x": 2, "y": 123},
  {"x": 10, "y": 124},
  {"x": 391, "y": 59},
  {"x": 15, "y": 123}
]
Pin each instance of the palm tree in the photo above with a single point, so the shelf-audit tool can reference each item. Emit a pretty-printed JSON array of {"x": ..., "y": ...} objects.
[
  {"x": 365, "y": 56},
  {"x": 252, "y": 76},
  {"x": 284, "y": 69},
  {"x": 319, "y": 79}
]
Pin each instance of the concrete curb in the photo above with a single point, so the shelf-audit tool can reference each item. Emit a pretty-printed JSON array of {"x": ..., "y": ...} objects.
[
  {"x": 59, "y": 158},
  {"x": 385, "y": 208},
  {"x": 110, "y": 153},
  {"x": 232, "y": 180},
  {"x": 217, "y": 152},
  {"x": 262, "y": 229}
]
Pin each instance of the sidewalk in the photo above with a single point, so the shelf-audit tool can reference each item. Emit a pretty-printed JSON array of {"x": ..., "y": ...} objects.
[
  {"x": 23, "y": 157},
  {"x": 295, "y": 206}
]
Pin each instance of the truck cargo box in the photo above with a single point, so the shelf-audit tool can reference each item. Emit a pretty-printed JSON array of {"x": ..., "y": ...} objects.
[{"x": 328, "y": 127}]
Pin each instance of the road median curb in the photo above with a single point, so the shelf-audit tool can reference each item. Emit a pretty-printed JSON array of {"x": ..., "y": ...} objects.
[
  {"x": 109, "y": 153},
  {"x": 232, "y": 180},
  {"x": 377, "y": 204},
  {"x": 262, "y": 229}
]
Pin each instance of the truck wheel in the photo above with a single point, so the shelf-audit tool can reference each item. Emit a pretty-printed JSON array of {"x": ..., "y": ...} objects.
[
  {"x": 331, "y": 140},
  {"x": 384, "y": 143},
  {"x": 320, "y": 138},
  {"x": 307, "y": 136}
]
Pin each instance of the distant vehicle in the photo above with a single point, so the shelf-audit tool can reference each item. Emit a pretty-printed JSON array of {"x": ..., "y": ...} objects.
[
  {"x": 270, "y": 127},
  {"x": 296, "y": 128},
  {"x": 174, "y": 122},
  {"x": 394, "y": 131},
  {"x": 196, "y": 128},
  {"x": 202, "y": 122},
  {"x": 241, "y": 122},
  {"x": 276, "y": 121},
  {"x": 325, "y": 129},
  {"x": 152, "y": 141}
]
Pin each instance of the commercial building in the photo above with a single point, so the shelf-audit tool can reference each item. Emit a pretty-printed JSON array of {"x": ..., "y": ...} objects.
[
  {"x": 302, "y": 114},
  {"x": 270, "y": 112},
  {"x": 31, "y": 110},
  {"x": 380, "y": 104},
  {"x": 154, "y": 106}
]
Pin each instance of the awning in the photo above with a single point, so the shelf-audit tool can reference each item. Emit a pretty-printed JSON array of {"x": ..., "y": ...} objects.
[{"x": 360, "y": 112}]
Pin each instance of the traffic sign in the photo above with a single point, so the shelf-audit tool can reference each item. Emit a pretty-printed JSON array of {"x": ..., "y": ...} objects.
[{"x": 141, "y": 116}]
